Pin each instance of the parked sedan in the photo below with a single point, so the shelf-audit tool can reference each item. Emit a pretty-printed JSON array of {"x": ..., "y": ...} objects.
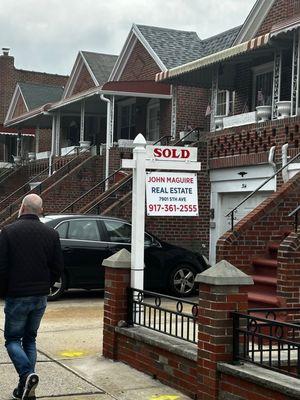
[{"x": 87, "y": 240}]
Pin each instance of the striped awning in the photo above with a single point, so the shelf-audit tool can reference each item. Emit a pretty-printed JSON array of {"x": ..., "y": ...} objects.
[
  {"x": 285, "y": 26},
  {"x": 16, "y": 134},
  {"x": 215, "y": 58}
]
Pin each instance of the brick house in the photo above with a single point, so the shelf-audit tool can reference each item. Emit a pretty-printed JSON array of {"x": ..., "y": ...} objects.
[
  {"x": 9, "y": 77},
  {"x": 254, "y": 130}
]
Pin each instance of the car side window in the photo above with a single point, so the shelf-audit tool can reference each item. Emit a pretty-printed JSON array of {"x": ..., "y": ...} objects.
[
  {"x": 83, "y": 230},
  {"x": 62, "y": 229},
  {"x": 118, "y": 231}
]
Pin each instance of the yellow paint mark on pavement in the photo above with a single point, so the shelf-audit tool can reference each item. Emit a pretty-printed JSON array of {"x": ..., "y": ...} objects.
[
  {"x": 72, "y": 353},
  {"x": 165, "y": 397}
]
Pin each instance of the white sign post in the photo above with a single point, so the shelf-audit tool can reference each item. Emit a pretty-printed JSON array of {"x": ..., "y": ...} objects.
[{"x": 153, "y": 158}]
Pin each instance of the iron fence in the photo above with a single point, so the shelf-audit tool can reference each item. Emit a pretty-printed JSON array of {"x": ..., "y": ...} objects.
[
  {"x": 165, "y": 314},
  {"x": 266, "y": 338}
]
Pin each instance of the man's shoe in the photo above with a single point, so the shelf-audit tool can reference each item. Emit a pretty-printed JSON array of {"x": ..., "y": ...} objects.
[
  {"x": 31, "y": 383},
  {"x": 17, "y": 393}
]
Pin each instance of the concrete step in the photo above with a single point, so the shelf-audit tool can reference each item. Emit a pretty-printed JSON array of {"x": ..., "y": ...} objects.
[
  {"x": 265, "y": 284},
  {"x": 265, "y": 266}
]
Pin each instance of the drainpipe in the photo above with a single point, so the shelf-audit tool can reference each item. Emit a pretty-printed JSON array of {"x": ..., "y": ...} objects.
[
  {"x": 52, "y": 145},
  {"x": 108, "y": 137},
  {"x": 284, "y": 151}
]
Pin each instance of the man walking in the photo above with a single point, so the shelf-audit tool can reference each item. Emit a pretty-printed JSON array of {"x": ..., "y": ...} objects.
[{"x": 30, "y": 263}]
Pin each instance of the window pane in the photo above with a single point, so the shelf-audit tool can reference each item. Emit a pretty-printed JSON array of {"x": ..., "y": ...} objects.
[
  {"x": 62, "y": 230},
  {"x": 118, "y": 231},
  {"x": 84, "y": 230}
]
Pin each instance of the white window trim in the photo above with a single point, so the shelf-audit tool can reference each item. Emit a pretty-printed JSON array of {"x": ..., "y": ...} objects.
[
  {"x": 259, "y": 70},
  {"x": 153, "y": 103},
  {"x": 227, "y": 106},
  {"x": 121, "y": 104}
]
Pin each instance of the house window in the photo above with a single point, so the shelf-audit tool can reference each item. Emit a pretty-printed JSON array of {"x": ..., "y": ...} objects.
[
  {"x": 225, "y": 102},
  {"x": 262, "y": 85},
  {"x": 126, "y": 119},
  {"x": 153, "y": 112}
]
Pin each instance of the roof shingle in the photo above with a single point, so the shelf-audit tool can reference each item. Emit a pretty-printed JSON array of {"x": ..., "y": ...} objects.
[
  {"x": 100, "y": 64},
  {"x": 37, "y": 95}
]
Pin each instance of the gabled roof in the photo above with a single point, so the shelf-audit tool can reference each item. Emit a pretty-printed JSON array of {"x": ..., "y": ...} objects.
[
  {"x": 219, "y": 42},
  {"x": 98, "y": 65},
  {"x": 101, "y": 65},
  {"x": 173, "y": 47},
  {"x": 33, "y": 96},
  {"x": 36, "y": 95},
  {"x": 254, "y": 20}
]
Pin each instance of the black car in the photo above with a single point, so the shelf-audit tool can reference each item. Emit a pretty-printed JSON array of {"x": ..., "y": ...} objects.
[{"x": 86, "y": 240}]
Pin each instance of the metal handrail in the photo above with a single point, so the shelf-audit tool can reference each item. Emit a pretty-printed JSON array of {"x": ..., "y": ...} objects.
[
  {"x": 36, "y": 176},
  {"x": 103, "y": 181},
  {"x": 4, "y": 175},
  {"x": 231, "y": 212},
  {"x": 107, "y": 195},
  {"x": 295, "y": 212},
  {"x": 185, "y": 136}
]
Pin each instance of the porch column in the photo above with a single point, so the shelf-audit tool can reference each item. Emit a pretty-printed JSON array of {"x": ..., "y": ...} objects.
[
  {"x": 276, "y": 83},
  {"x": 37, "y": 139},
  {"x": 57, "y": 134},
  {"x": 173, "y": 111},
  {"x": 214, "y": 97},
  {"x": 295, "y": 74},
  {"x": 82, "y": 112},
  {"x": 111, "y": 121}
]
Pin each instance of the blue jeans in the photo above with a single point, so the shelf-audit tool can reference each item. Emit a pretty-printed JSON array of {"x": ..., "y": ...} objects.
[{"x": 22, "y": 320}]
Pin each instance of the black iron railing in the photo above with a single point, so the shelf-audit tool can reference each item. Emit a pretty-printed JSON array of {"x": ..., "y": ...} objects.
[
  {"x": 263, "y": 338},
  {"x": 165, "y": 314},
  {"x": 295, "y": 215},
  {"x": 234, "y": 210}
]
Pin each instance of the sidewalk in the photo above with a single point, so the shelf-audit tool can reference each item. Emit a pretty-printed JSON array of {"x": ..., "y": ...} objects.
[{"x": 90, "y": 378}]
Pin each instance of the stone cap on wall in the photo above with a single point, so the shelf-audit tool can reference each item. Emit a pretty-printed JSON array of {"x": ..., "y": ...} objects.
[
  {"x": 121, "y": 259},
  {"x": 224, "y": 273}
]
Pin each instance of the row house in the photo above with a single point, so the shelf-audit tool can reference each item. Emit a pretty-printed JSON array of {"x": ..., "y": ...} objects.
[
  {"x": 13, "y": 140},
  {"x": 254, "y": 132}
]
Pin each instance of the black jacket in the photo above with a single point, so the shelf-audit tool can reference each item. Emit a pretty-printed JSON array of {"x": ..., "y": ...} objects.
[{"x": 30, "y": 258}]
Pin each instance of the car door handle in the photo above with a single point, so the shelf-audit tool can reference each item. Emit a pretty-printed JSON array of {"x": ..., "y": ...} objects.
[{"x": 68, "y": 250}]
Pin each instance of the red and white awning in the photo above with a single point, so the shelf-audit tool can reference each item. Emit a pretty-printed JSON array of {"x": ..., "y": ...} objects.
[{"x": 215, "y": 58}]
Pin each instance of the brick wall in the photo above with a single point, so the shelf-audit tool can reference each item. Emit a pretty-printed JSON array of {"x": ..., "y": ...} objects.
[
  {"x": 235, "y": 388},
  {"x": 197, "y": 370},
  {"x": 267, "y": 222},
  {"x": 253, "y": 142},
  {"x": 288, "y": 270},
  {"x": 140, "y": 65},
  {"x": 191, "y": 106},
  {"x": 281, "y": 10},
  {"x": 84, "y": 81},
  {"x": 9, "y": 76}
]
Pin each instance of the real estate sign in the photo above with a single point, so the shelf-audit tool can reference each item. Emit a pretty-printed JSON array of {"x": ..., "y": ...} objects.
[{"x": 171, "y": 194}]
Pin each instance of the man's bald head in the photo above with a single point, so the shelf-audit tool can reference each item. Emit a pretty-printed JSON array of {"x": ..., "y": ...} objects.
[{"x": 31, "y": 204}]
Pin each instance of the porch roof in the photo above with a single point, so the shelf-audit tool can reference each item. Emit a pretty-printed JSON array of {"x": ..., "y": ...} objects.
[
  {"x": 285, "y": 26},
  {"x": 199, "y": 72},
  {"x": 137, "y": 89}
]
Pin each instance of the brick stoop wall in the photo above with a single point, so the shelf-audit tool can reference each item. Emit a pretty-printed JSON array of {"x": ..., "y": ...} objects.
[
  {"x": 288, "y": 270},
  {"x": 202, "y": 370},
  {"x": 267, "y": 222}
]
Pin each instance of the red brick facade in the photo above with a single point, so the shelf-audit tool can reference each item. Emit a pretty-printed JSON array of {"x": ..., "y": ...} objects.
[
  {"x": 266, "y": 223},
  {"x": 84, "y": 81}
]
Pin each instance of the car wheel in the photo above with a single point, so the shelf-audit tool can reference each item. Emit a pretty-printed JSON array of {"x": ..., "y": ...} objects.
[
  {"x": 57, "y": 289},
  {"x": 182, "y": 281}
]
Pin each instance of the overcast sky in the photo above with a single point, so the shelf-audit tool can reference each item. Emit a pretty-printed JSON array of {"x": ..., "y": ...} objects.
[{"x": 46, "y": 35}]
